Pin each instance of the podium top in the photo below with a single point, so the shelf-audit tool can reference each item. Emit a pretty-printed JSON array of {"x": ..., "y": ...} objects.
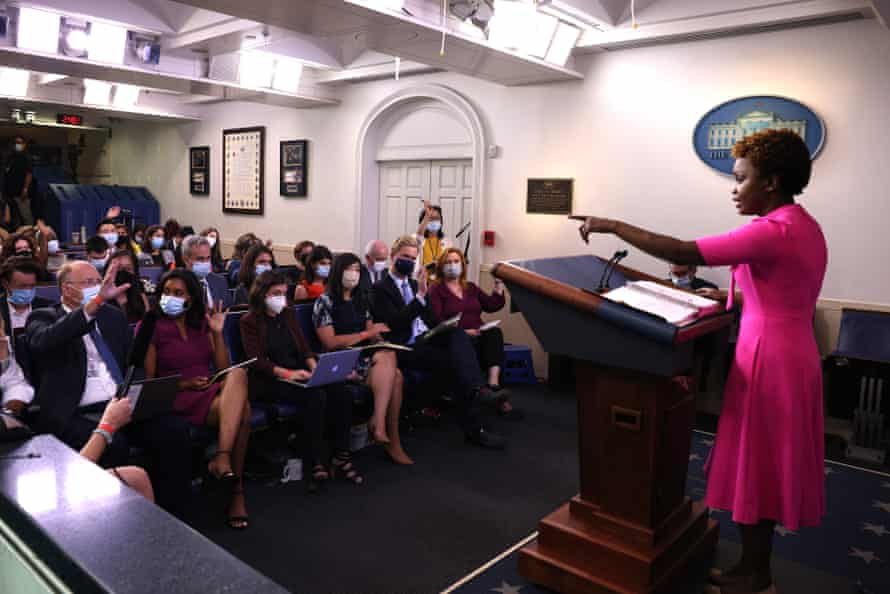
[{"x": 573, "y": 281}]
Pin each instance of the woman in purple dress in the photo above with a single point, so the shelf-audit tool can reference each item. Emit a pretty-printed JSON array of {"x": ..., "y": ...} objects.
[
  {"x": 186, "y": 340},
  {"x": 767, "y": 463}
]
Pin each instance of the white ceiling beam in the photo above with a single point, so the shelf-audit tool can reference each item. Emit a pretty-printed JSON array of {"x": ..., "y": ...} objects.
[
  {"x": 374, "y": 72},
  {"x": 882, "y": 10},
  {"x": 726, "y": 22},
  {"x": 124, "y": 12},
  {"x": 193, "y": 37}
]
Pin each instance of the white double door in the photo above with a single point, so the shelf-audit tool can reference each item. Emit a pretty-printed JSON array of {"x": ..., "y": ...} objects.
[{"x": 404, "y": 185}]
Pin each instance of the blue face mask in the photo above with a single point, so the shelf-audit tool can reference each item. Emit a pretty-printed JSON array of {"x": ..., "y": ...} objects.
[
  {"x": 201, "y": 269},
  {"x": 110, "y": 239},
  {"x": 21, "y": 296},
  {"x": 404, "y": 266},
  {"x": 684, "y": 282},
  {"x": 157, "y": 243},
  {"x": 322, "y": 271},
  {"x": 89, "y": 293},
  {"x": 99, "y": 264},
  {"x": 172, "y": 306},
  {"x": 261, "y": 268},
  {"x": 52, "y": 246},
  {"x": 434, "y": 226}
]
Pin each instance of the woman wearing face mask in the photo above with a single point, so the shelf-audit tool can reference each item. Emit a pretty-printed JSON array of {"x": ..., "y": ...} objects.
[
  {"x": 258, "y": 260},
  {"x": 431, "y": 230},
  {"x": 342, "y": 319},
  {"x": 242, "y": 246},
  {"x": 133, "y": 302},
  {"x": 25, "y": 246},
  {"x": 216, "y": 259},
  {"x": 154, "y": 252},
  {"x": 271, "y": 333},
  {"x": 453, "y": 295},
  {"x": 187, "y": 340},
  {"x": 138, "y": 238},
  {"x": 318, "y": 269}
]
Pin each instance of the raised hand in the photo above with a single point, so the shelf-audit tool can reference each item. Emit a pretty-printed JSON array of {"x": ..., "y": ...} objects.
[
  {"x": 217, "y": 319},
  {"x": 109, "y": 290},
  {"x": 113, "y": 212},
  {"x": 593, "y": 225},
  {"x": 422, "y": 285}
]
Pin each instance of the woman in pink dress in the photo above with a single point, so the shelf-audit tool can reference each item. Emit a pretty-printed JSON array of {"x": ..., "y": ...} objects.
[{"x": 767, "y": 463}]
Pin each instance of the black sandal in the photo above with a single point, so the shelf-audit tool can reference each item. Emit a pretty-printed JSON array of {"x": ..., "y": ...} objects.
[
  {"x": 342, "y": 463},
  {"x": 227, "y": 477},
  {"x": 319, "y": 475},
  {"x": 237, "y": 522}
]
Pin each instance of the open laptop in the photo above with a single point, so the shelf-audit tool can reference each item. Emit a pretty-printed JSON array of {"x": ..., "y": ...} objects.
[{"x": 332, "y": 367}]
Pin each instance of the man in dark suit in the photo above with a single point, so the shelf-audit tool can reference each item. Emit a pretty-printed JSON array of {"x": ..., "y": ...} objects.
[
  {"x": 683, "y": 276},
  {"x": 79, "y": 351},
  {"x": 18, "y": 277},
  {"x": 374, "y": 268},
  {"x": 400, "y": 302},
  {"x": 196, "y": 256}
]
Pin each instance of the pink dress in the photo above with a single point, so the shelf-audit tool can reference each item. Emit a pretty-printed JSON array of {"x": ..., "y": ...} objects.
[
  {"x": 189, "y": 358},
  {"x": 768, "y": 459}
]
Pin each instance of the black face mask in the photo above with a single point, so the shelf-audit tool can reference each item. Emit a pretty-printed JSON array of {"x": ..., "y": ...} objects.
[
  {"x": 25, "y": 254},
  {"x": 123, "y": 277},
  {"x": 404, "y": 266}
]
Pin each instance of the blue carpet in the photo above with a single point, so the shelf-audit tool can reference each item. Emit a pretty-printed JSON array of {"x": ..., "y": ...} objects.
[{"x": 848, "y": 552}]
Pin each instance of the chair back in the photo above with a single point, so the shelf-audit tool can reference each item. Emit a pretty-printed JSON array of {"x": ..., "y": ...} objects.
[
  {"x": 864, "y": 335},
  {"x": 232, "y": 336},
  {"x": 304, "y": 317}
]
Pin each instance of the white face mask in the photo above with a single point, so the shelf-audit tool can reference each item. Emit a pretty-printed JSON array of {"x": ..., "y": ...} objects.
[
  {"x": 211, "y": 239},
  {"x": 19, "y": 147},
  {"x": 379, "y": 265},
  {"x": 276, "y": 303},
  {"x": 452, "y": 270},
  {"x": 52, "y": 246},
  {"x": 350, "y": 279}
]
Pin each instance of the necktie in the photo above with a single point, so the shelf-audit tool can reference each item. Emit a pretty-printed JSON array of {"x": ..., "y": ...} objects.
[
  {"x": 406, "y": 292},
  {"x": 107, "y": 356}
]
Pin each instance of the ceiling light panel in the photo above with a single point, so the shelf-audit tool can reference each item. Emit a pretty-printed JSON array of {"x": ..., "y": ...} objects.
[
  {"x": 287, "y": 74},
  {"x": 96, "y": 92},
  {"x": 126, "y": 95},
  {"x": 538, "y": 43},
  {"x": 38, "y": 30},
  {"x": 563, "y": 41},
  {"x": 513, "y": 23},
  {"x": 106, "y": 43},
  {"x": 14, "y": 82},
  {"x": 255, "y": 69}
]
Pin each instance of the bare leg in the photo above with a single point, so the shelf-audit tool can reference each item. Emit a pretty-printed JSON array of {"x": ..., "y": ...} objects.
[
  {"x": 380, "y": 379},
  {"x": 237, "y": 506},
  {"x": 226, "y": 412},
  {"x": 494, "y": 375},
  {"x": 394, "y": 448}
]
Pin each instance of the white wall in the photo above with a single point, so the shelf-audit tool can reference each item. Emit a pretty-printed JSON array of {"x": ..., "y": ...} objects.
[{"x": 624, "y": 134}]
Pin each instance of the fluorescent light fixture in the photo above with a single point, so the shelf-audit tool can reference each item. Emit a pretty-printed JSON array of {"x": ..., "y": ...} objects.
[
  {"x": 287, "y": 74},
  {"x": 96, "y": 92},
  {"x": 106, "y": 43},
  {"x": 125, "y": 95},
  {"x": 563, "y": 41},
  {"x": 513, "y": 23},
  {"x": 536, "y": 44},
  {"x": 38, "y": 30},
  {"x": 255, "y": 69},
  {"x": 77, "y": 40},
  {"x": 46, "y": 79},
  {"x": 14, "y": 82},
  {"x": 568, "y": 13}
]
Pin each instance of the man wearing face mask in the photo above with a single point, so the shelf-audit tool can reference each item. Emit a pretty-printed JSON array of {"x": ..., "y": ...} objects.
[
  {"x": 401, "y": 303},
  {"x": 683, "y": 276},
  {"x": 97, "y": 252},
  {"x": 375, "y": 265},
  {"x": 196, "y": 255},
  {"x": 107, "y": 230},
  {"x": 17, "y": 188},
  {"x": 19, "y": 279},
  {"x": 79, "y": 349}
]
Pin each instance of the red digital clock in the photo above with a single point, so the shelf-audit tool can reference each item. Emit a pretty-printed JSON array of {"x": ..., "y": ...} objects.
[{"x": 70, "y": 119}]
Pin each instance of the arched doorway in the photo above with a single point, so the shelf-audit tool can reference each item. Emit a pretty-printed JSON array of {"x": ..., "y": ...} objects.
[{"x": 394, "y": 116}]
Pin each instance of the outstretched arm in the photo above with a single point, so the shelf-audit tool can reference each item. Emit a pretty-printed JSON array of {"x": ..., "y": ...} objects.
[{"x": 661, "y": 246}]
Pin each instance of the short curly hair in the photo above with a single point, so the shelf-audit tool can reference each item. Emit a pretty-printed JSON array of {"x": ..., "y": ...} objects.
[{"x": 778, "y": 152}]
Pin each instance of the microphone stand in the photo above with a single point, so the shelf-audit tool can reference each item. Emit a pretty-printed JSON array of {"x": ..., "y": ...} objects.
[
  {"x": 469, "y": 237},
  {"x": 607, "y": 271}
]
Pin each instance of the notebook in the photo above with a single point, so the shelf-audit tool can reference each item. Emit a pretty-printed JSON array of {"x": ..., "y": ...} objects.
[{"x": 672, "y": 305}]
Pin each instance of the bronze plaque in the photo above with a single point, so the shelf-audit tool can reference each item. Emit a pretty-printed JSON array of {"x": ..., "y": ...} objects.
[{"x": 549, "y": 196}]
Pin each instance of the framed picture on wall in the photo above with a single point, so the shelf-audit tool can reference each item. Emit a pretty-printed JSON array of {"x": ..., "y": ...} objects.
[
  {"x": 199, "y": 170},
  {"x": 294, "y": 168},
  {"x": 243, "y": 170}
]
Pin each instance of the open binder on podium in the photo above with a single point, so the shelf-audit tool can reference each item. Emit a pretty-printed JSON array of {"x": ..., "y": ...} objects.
[{"x": 631, "y": 528}]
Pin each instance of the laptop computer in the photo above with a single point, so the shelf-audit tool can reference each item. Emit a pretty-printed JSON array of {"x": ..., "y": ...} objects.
[
  {"x": 332, "y": 367},
  {"x": 153, "y": 397}
]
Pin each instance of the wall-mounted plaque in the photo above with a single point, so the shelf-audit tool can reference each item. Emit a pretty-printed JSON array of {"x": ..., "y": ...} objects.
[
  {"x": 549, "y": 196},
  {"x": 243, "y": 168},
  {"x": 199, "y": 170},
  {"x": 294, "y": 168}
]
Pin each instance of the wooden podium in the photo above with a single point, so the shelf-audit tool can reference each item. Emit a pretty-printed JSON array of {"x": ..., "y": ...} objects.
[{"x": 631, "y": 529}]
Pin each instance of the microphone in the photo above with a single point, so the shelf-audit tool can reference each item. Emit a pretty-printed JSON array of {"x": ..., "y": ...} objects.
[{"x": 607, "y": 271}]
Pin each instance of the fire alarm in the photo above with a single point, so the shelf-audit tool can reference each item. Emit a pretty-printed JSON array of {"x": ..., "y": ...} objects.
[{"x": 488, "y": 238}]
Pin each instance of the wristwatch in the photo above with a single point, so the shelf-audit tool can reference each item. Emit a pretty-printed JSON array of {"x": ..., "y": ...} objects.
[{"x": 108, "y": 436}]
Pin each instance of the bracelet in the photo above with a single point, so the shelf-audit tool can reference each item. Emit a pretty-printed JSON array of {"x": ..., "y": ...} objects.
[
  {"x": 98, "y": 299},
  {"x": 107, "y": 427},
  {"x": 105, "y": 434}
]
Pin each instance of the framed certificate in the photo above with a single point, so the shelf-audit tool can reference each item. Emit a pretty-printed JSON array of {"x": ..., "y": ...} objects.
[
  {"x": 243, "y": 170},
  {"x": 294, "y": 168},
  {"x": 199, "y": 170}
]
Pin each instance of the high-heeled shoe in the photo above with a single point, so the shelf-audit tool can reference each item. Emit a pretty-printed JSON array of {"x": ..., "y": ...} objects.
[
  {"x": 397, "y": 456},
  {"x": 237, "y": 522},
  {"x": 315, "y": 480},
  {"x": 227, "y": 477},
  {"x": 342, "y": 463}
]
